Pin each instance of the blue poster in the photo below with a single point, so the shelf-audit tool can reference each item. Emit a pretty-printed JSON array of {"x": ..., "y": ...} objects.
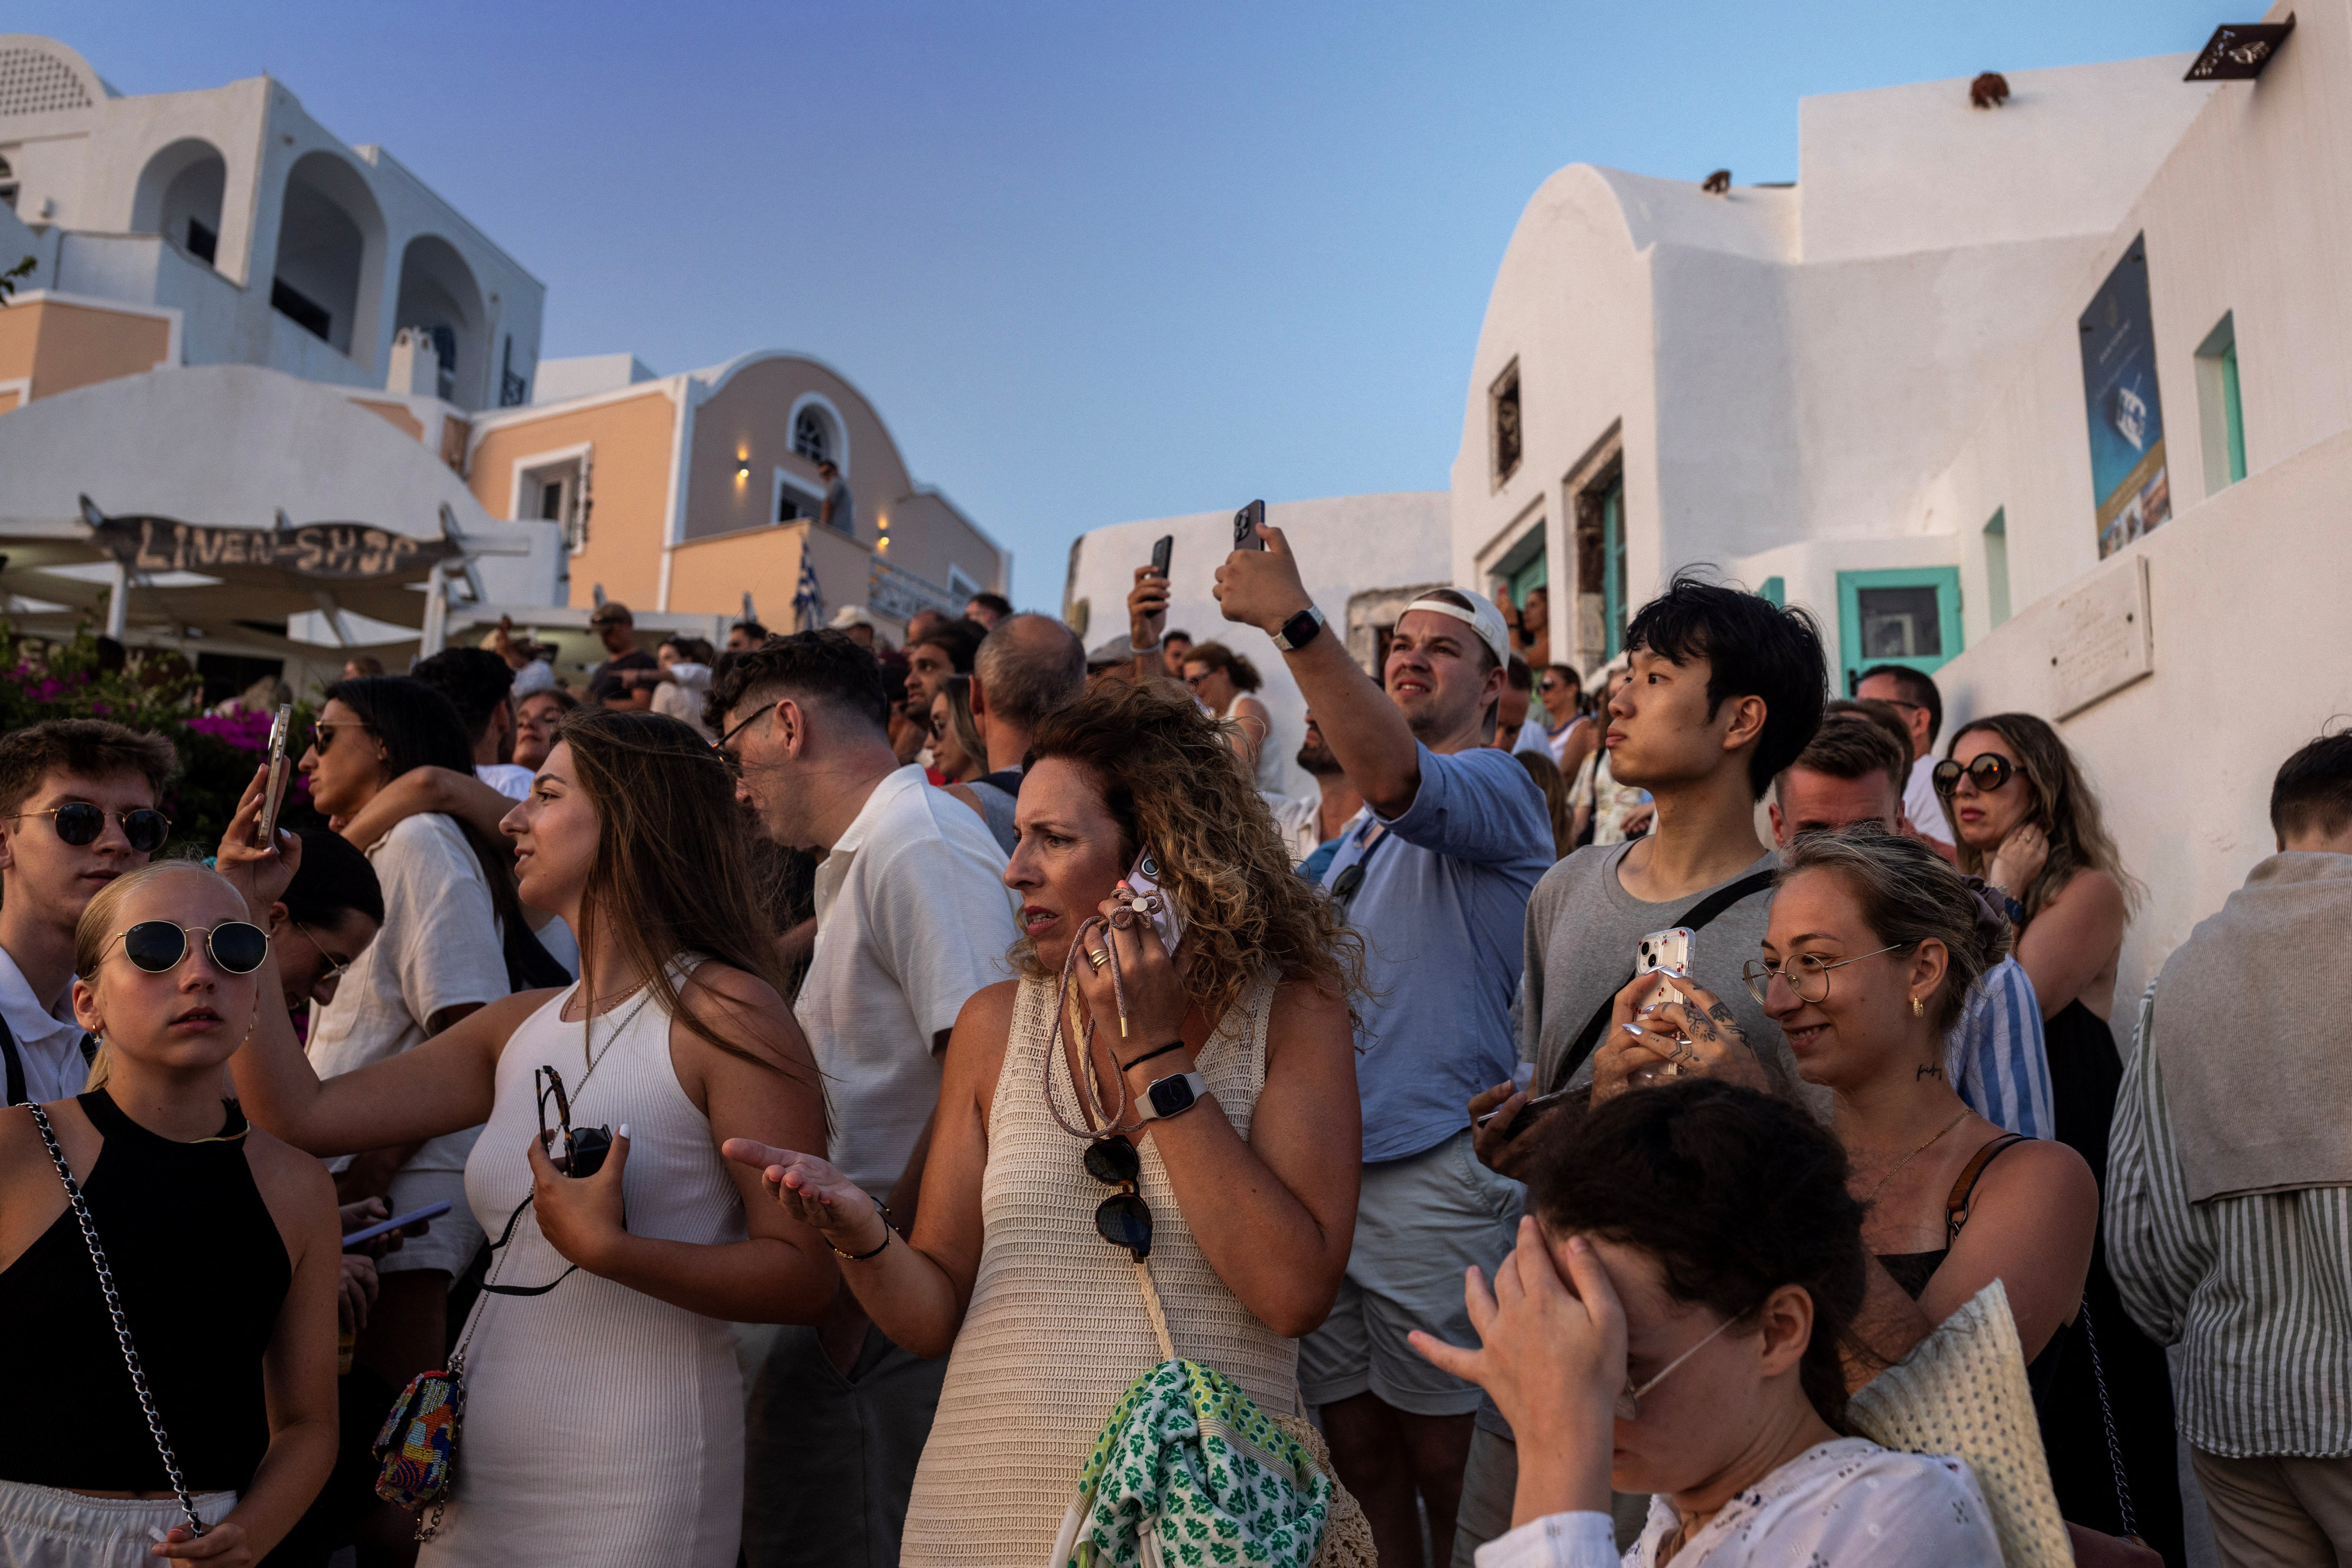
[{"x": 2120, "y": 402}]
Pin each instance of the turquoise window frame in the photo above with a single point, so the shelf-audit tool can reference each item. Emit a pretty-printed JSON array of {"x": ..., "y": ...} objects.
[
  {"x": 1945, "y": 580},
  {"x": 1612, "y": 565},
  {"x": 2233, "y": 411},
  {"x": 1996, "y": 549},
  {"x": 1774, "y": 590}
]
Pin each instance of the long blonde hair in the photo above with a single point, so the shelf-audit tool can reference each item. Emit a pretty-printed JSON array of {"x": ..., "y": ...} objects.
[
  {"x": 95, "y": 932},
  {"x": 2064, "y": 807},
  {"x": 1173, "y": 782}
]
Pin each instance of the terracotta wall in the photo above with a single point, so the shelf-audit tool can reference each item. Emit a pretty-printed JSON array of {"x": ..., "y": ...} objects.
[
  {"x": 628, "y": 486},
  {"x": 59, "y": 346},
  {"x": 750, "y": 420}
]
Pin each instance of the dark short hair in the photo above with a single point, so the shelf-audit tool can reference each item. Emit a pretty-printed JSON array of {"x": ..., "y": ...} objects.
[
  {"x": 1518, "y": 676},
  {"x": 1169, "y": 637},
  {"x": 1916, "y": 686},
  {"x": 1029, "y": 665},
  {"x": 1575, "y": 676},
  {"x": 959, "y": 639},
  {"x": 474, "y": 679},
  {"x": 1734, "y": 1191},
  {"x": 2313, "y": 792},
  {"x": 1753, "y": 647},
  {"x": 92, "y": 748},
  {"x": 996, "y": 601},
  {"x": 334, "y": 879},
  {"x": 751, "y": 629},
  {"x": 814, "y": 667},
  {"x": 1852, "y": 745},
  {"x": 695, "y": 651}
]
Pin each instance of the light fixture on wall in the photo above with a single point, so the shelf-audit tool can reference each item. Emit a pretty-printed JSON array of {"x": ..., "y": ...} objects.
[{"x": 742, "y": 468}]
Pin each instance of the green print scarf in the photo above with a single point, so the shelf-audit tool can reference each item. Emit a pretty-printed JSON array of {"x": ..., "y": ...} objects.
[{"x": 1189, "y": 1473}]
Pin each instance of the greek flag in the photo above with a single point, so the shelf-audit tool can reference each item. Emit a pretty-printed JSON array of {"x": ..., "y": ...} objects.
[{"x": 808, "y": 599}]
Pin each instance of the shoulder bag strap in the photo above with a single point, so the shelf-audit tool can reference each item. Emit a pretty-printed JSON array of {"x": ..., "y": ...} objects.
[
  {"x": 122, "y": 1326},
  {"x": 1694, "y": 918},
  {"x": 17, "y": 1093},
  {"x": 1964, "y": 1185}
]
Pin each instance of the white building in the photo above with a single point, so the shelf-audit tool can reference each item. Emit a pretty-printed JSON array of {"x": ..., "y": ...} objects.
[
  {"x": 1868, "y": 393},
  {"x": 1362, "y": 557}
]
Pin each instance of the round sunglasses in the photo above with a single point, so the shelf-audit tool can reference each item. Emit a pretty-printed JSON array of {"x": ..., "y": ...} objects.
[
  {"x": 81, "y": 823},
  {"x": 236, "y": 947},
  {"x": 1988, "y": 772},
  {"x": 1123, "y": 1219}
]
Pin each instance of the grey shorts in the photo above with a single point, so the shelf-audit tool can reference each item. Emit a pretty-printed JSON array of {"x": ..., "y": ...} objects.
[
  {"x": 1422, "y": 1220},
  {"x": 454, "y": 1239},
  {"x": 42, "y": 1527}
]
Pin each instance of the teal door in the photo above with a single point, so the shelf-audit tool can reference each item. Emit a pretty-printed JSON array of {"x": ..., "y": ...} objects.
[
  {"x": 1612, "y": 566},
  {"x": 1908, "y": 616}
]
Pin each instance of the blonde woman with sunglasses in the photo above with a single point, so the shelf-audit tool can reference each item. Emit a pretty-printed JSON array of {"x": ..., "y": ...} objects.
[{"x": 219, "y": 1243}]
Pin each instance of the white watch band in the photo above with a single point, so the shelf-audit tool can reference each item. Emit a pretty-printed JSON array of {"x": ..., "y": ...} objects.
[{"x": 1147, "y": 1110}]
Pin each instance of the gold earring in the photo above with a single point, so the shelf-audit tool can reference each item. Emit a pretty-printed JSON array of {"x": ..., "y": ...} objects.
[{"x": 1918, "y": 1009}]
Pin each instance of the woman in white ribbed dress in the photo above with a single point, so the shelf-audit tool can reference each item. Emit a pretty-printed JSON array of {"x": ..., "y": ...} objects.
[
  {"x": 1251, "y": 1187},
  {"x": 603, "y": 1414}
]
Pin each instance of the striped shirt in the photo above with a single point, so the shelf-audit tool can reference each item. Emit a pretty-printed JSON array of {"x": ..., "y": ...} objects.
[
  {"x": 2255, "y": 1286},
  {"x": 1995, "y": 1057}
]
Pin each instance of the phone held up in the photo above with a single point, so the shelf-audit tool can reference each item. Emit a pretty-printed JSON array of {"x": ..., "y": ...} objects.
[
  {"x": 1147, "y": 897},
  {"x": 1661, "y": 950},
  {"x": 1529, "y": 1113},
  {"x": 1246, "y": 522},
  {"x": 1161, "y": 552},
  {"x": 265, "y": 827}
]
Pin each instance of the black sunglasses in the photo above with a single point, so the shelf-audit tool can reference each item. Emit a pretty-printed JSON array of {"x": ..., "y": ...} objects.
[
  {"x": 1989, "y": 772},
  {"x": 81, "y": 823},
  {"x": 322, "y": 734},
  {"x": 237, "y": 947},
  {"x": 1123, "y": 1219}
]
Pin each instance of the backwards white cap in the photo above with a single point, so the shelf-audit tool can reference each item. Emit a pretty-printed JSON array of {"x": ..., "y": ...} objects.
[{"x": 1481, "y": 614}]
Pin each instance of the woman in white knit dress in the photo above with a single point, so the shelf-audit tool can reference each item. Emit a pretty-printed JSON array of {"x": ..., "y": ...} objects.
[
  {"x": 1251, "y": 1186},
  {"x": 603, "y": 1414}
]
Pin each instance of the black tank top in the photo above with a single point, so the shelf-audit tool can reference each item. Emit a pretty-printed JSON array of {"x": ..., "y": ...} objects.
[{"x": 201, "y": 1273}]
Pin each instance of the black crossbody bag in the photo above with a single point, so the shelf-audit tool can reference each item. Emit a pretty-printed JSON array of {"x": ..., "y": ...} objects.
[{"x": 1695, "y": 919}]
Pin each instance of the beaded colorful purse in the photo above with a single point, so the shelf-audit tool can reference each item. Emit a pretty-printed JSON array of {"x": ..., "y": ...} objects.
[{"x": 418, "y": 1444}]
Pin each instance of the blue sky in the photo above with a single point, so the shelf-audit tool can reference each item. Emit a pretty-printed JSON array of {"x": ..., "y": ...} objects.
[{"x": 1093, "y": 262}]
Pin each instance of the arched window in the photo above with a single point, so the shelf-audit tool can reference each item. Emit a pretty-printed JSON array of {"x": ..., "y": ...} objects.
[{"x": 810, "y": 439}]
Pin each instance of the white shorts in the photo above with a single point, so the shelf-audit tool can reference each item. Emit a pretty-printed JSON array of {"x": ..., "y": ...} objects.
[
  {"x": 42, "y": 1527},
  {"x": 455, "y": 1237}
]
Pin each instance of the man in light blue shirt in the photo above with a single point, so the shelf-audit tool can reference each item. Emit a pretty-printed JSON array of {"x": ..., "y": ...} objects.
[{"x": 1435, "y": 874}]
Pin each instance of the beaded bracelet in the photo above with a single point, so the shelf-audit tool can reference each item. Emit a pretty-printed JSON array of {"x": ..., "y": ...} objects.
[{"x": 888, "y": 1230}]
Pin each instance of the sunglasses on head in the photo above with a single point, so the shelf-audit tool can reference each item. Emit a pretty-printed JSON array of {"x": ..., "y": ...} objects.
[
  {"x": 237, "y": 947},
  {"x": 1989, "y": 772},
  {"x": 1123, "y": 1219},
  {"x": 81, "y": 823}
]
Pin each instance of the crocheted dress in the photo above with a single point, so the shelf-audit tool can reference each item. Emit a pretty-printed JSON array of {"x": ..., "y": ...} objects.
[{"x": 1057, "y": 1330}]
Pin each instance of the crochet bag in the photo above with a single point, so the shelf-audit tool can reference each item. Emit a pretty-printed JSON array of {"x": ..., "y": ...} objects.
[
  {"x": 417, "y": 1446},
  {"x": 1190, "y": 1473}
]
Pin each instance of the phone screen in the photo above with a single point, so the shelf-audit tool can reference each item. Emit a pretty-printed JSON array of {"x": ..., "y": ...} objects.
[{"x": 1245, "y": 525}]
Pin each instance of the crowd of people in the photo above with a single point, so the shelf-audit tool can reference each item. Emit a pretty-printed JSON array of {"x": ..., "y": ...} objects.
[{"x": 1522, "y": 1149}]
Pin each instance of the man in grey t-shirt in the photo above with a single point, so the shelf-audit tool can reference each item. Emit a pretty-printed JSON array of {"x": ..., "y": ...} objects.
[{"x": 1726, "y": 691}]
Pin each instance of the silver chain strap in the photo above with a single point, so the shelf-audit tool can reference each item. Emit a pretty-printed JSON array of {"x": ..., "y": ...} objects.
[
  {"x": 121, "y": 1325},
  {"x": 2106, "y": 1415}
]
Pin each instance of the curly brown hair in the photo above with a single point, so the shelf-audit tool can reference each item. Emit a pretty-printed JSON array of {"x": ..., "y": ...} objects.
[{"x": 1171, "y": 779}]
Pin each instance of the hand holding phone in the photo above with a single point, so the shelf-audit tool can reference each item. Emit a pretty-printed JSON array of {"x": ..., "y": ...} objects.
[
  {"x": 1662, "y": 950},
  {"x": 1246, "y": 523},
  {"x": 265, "y": 827},
  {"x": 1157, "y": 904},
  {"x": 1162, "y": 551},
  {"x": 397, "y": 1222}
]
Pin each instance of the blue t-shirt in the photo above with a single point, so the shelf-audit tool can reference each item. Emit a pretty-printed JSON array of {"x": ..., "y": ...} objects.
[
  {"x": 1443, "y": 913},
  {"x": 1319, "y": 861}
]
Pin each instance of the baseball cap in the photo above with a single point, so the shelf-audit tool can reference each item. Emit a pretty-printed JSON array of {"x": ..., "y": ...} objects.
[
  {"x": 610, "y": 612},
  {"x": 1474, "y": 609},
  {"x": 850, "y": 616}
]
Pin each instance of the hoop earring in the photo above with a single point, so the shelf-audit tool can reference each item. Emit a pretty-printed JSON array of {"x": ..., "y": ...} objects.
[{"x": 1918, "y": 1009}]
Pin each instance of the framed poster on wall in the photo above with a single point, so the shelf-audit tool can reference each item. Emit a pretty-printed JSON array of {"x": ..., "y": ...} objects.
[{"x": 2121, "y": 405}]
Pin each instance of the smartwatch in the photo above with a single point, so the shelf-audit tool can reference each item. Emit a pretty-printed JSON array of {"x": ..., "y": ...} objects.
[
  {"x": 1299, "y": 630},
  {"x": 1171, "y": 1096}
]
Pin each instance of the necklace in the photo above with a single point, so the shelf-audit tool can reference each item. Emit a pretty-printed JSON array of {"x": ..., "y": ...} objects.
[{"x": 1915, "y": 1153}]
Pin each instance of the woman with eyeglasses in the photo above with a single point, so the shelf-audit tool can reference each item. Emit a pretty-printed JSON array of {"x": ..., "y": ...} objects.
[
  {"x": 956, "y": 748},
  {"x": 1197, "y": 1110},
  {"x": 2027, "y": 820},
  {"x": 603, "y": 1418},
  {"x": 1871, "y": 946},
  {"x": 1224, "y": 683},
  {"x": 219, "y": 1241},
  {"x": 1673, "y": 1322}
]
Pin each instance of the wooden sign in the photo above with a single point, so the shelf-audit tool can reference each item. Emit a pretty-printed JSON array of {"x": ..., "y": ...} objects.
[{"x": 323, "y": 551}]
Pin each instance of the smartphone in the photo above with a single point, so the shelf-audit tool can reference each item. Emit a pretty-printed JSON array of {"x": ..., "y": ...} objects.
[
  {"x": 1143, "y": 881},
  {"x": 1160, "y": 553},
  {"x": 1245, "y": 526},
  {"x": 397, "y": 1222},
  {"x": 1667, "y": 949},
  {"x": 265, "y": 828},
  {"x": 1529, "y": 1112}
]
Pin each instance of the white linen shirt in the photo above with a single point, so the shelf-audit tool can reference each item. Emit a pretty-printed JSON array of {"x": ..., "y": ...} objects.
[
  {"x": 510, "y": 779},
  {"x": 1922, "y": 807},
  {"x": 913, "y": 917},
  {"x": 440, "y": 947},
  {"x": 48, "y": 1046},
  {"x": 1848, "y": 1503}
]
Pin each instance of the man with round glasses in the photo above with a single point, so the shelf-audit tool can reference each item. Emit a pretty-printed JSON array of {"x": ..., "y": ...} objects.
[{"x": 77, "y": 810}]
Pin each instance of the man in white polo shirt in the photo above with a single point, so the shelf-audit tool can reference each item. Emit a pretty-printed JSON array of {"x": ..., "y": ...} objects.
[
  {"x": 913, "y": 917},
  {"x": 77, "y": 810}
]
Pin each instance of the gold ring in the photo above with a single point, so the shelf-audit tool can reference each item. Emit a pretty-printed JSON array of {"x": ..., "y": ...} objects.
[{"x": 1098, "y": 957}]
